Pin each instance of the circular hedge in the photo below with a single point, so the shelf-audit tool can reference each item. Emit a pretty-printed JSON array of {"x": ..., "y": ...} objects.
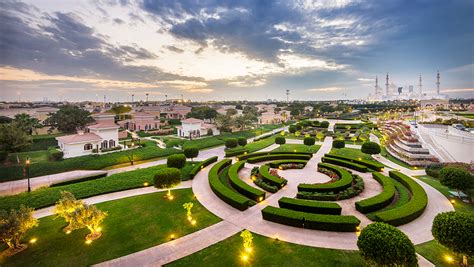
[
  {"x": 191, "y": 152},
  {"x": 324, "y": 124},
  {"x": 242, "y": 141},
  {"x": 292, "y": 129},
  {"x": 454, "y": 230},
  {"x": 231, "y": 143},
  {"x": 338, "y": 143},
  {"x": 280, "y": 140},
  {"x": 167, "y": 178},
  {"x": 381, "y": 244},
  {"x": 370, "y": 148},
  {"x": 457, "y": 178},
  {"x": 309, "y": 141},
  {"x": 176, "y": 161}
]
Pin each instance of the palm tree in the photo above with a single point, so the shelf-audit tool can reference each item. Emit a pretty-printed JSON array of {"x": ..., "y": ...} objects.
[{"x": 27, "y": 123}]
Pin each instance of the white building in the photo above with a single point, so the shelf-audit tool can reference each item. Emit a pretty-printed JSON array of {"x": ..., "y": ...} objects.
[
  {"x": 192, "y": 127},
  {"x": 101, "y": 135}
]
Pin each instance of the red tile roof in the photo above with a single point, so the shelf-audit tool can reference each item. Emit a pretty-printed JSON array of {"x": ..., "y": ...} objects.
[{"x": 79, "y": 138}]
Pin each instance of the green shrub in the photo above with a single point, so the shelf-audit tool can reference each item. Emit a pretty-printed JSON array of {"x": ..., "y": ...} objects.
[
  {"x": 258, "y": 154},
  {"x": 381, "y": 244},
  {"x": 345, "y": 163},
  {"x": 370, "y": 148},
  {"x": 201, "y": 166},
  {"x": 280, "y": 140},
  {"x": 55, "y": 155},
  {"x": 338, "y": 143},
  {"x": 411, "y": 210},
  {"x": 264, "y": 172},
  {"x": 235, "y": 151},
  {"x": 176, "y": 161},
  {"x": 191, "y": 152},
  {"x": 278, "y": 157},
  {"x": 309, "y": 141},
  {"x": 167, "y": 178},
  {"x": 3, "y": 156},
  {"x": 345, "y": 181},
  {"x": 277, "y": 163},
  {"x": 242, "y": 141},
  {"x": 266, "y": 186},
  {"x": 350, "y": 192},
  {"x": 369, "y": 164},
  {"x": 324, "y": 124},
  {"x": 310, "y": 206},
  {"x": 241, "y": 186},
  {"x": 381, "y": 200},
  {"x": 292, "y": 129},
  {"x": 231, "y": 143},
  {"x": 456, "y": 178}
]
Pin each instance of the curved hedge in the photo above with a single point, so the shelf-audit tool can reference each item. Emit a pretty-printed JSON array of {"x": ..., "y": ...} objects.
[
  {"x": 235, "y": 152},
  {"x": 230, "y": 197},
  {"x": 381, "y": 200},
  {"x": 326, "y": 222},
  {"x": 310, "y": 206},
  {"x": 273, "y": 180},
  {"x": 411, "y": 210},
  {"x": 278, "y": 157},
  {"x": 256, "y": 154},
  {"x": 241, "y": 186},
  {"x": 345, "y": 181},
  {"x": 201, "y": 165},
  {"x": 377, "y": 166},
  {"x": 345, "y": 163},
  {"x": 276, "y": 163}
]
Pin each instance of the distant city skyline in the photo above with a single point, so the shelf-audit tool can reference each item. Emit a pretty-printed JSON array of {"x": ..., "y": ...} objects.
[{"x": 232, "y": 50}]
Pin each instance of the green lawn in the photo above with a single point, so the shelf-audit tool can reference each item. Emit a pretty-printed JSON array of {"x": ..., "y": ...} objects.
[
  {"x": 117, "y": 182},
  {"x": 297, "y": 148},
  {"x": 133, "y": 224},
  {"x": 260, "y": 144},
  {"x": 352, "y": 152},
  {"x": 35, "y": 156},
  {"x": 269, "y": 252}
]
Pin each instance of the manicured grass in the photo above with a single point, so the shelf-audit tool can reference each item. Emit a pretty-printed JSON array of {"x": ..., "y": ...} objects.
[
  {"x": 35, "y": 156},
  {"x": 297, "y": 148},
  {"x": 133, "y": 224},
  {"x": 269, "y": 252},
  {"x": 260, "y": 144},
  {"x": 117, "y": 182},
  {"x": 402, "y": 196},
  {"x": 436, "y": 254},
  {"x": 352, "y": 153}
]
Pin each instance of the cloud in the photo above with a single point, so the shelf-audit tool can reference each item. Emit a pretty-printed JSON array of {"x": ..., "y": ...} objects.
[
  {"x": 365, "y": 79},
  {"x": 174, "y": 49},
  {"x": 324, "y": 89},
  {"x": 119, "y": 21},
  {"x": 459, "y": 90}
]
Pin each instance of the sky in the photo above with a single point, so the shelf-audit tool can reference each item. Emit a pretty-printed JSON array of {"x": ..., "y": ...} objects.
[{"x": 231, "y": 50}]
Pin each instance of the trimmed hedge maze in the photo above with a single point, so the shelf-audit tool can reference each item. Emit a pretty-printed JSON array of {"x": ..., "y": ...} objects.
[
  {"x": 225, "y": 193},
  {"x": 381, "y": 200},
  {"x": 257, "y": 154},
  {"x": 241, "y": 186},
  {"x": 310, "y": 206},
  {"x": 325, "y": 222},
  {"x": 345, "y": 181},
  {"x": 201, "y": 165},
  {"x": 377, "y": 166},
  {"x": 277, "y": 163},
  {"x": 411, "y": 210},
  {"x": 265, "y": 174},
  {"x": 345, "y": 163},
  {"x": 278, "y": 156}
]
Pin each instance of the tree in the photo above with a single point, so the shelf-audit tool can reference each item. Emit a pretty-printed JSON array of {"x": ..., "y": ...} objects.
[
  {"x": 231, "y": 142},
  {"x": 191, "y": 152},
  {"x": 309, "y": 141},
  {"x": 176, "y": 161},
  {"x": 324, "y": 124},
  {"x": 167, "y": 178},
  {"x": 120, "y": 110},
  {"x": 242, "y": 141},
  {"x": 69, "y": 118},
  {"x": 454, "y": 230},
  {"x": 354, "y": 139},
  {"x": 27, "y": 123},
  {"x": 231, "y": 112},
  {"x": 276, "y": 110},
  {"x": 65, "y": 208},
  {"x": 91, "y": 217},
  {"x": 363, "y": 137},
  {"x": 202, "y": 112},
  {"x": 370, "y": 148},
  {"x": 5, "y": 119},
  {"x": 13, "y": 139},
  {"x": 241, "y": 122},
  {"x": 338, "y": 143},
  {"x": 223, "y": 122},
  {"x": 381, "y": 244},
  {"x": 320, "y": 135},
  {"x": 14, "y": 225},
  {"x": 280, "y": 140},
  {"x": 238, "y": 106},
  {"x": 456, "y": 178},
  {"x": 292, "y": 128}
]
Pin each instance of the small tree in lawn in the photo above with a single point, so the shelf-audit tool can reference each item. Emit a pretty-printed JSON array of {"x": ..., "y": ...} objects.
[
  {"x": 91, "y": 217},
  {"x": 14, "y": 225},
  {"x": 370, "y": 148},
  {"x": 454, "y": 230},
  {"x": 456, "y": 178},
  {"x": 292, "y": 129},
  {"x": 363, "y": 137},
  {"x": 188, "y": 206},
  {"x": 176, "y": 161},
  {"x": 320, "y": 135},
  {"x": 65, "y": 208},
  {"x": 309, "y": 141},
  {"x": 191, "y": 152},
  {"x": 247, "y": 240},
  {"x": 381, "y": 244},
  {"x": 167, "y": 178},
  {"x": 231, "y": 143},
  {"x": 280, "y": 140},
  {"x": 348, "y": 127},
  {"x": 354, "y": 139},
  {"x": 338, "y": 143}
]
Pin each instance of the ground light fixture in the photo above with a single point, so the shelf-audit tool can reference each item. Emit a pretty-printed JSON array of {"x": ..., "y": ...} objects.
[
  {"x": 448, "y": 258},
  {"x": 33, "y": 240}
]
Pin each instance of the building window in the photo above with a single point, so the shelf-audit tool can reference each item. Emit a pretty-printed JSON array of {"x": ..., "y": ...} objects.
[
  {"x": 104, "y": 144},
  {"x": 111, "y": 143},
  {"x": 87, "y": 146}
]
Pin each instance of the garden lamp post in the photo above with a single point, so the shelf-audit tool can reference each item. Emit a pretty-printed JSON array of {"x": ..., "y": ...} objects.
[
  {"x": 131, "y": 145},
  {"x": 27, "y": 171}
]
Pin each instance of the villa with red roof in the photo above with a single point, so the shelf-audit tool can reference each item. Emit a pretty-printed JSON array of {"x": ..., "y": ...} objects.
[
  {"x": 141, "y": 121},
  {"x": 192, "y": 128},
  {"x": 101, "y": 135}
]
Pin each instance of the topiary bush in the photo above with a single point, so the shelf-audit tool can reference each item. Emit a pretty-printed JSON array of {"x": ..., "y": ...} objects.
[
  {"x": 56, "y": 155},
  {"x": 381, "y": 244},
  {"x": 338, "y": 144},
  {"x": 176, "y": 161},
  {"x": 324, "y": 124},
  {"x": 167, "y": 178},
  {"x": 191, "y": 152},
  {"x": 292, "y": 129},
  {"x": 242, "y": 141},
  {"x": 456, "y": 178},
  {"x": 280, "y": 140},
  {"x": 231, "y": 143},
  {"x": 309, "y": 141},
  {"x": 454, "y": 230},
  {"x": 370, "y": 148}
]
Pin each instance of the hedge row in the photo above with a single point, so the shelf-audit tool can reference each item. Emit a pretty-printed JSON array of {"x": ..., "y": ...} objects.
[
  {"x": 301, "y": 219},
  {"x": 201, "y": 165},
  {"x": 310, "y": 206},
  {"x": 345, "y": 163},
  {"x": 278, "y": 157},
  {"x": 377, "y": 166},
  {"x": 235, "y": 152},
  {"x": 381, "y": 200},
  {"x": 241, "y": 186},
  {"x": 266, "y": 186},
  {"x": 273, "y": 180},
  {"x": 411, "y": 210},
  {"x": 256, "y": 154},
  {"x": 227, "y": 195},
  {"x": 345, "y": 181},
  {"x": 276, "y": 163}
]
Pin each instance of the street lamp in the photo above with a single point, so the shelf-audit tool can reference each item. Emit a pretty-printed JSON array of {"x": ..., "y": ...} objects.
[
  {"x": 131, "y": 145},
  {"x": 27, "y": 172}
]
